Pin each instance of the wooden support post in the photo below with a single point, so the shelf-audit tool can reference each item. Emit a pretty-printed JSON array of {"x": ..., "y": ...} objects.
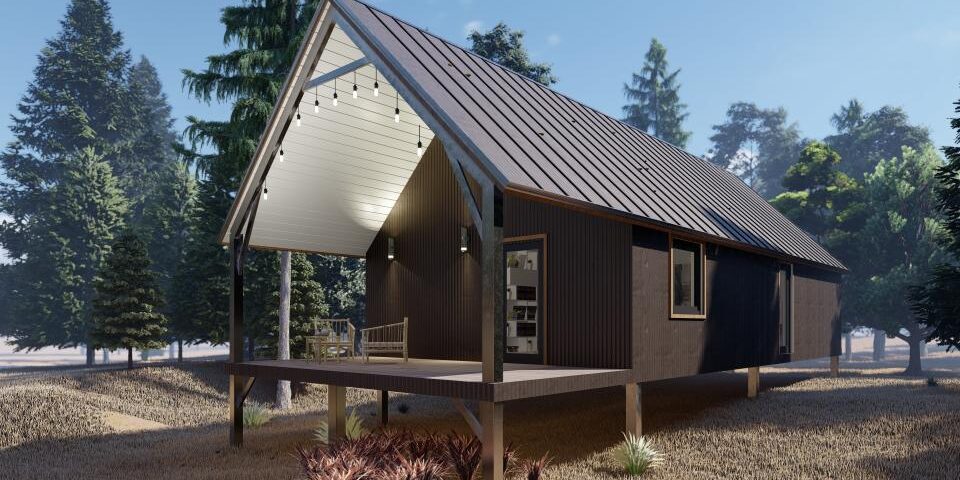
[
  {"x": 336, "y": 412},
  {"x": 634, "y": 410},
  {"x": 383, "y": 407},
  {"x": 835, "y": 366},
  {"x": 753, "y": 381},
  {"x": 494, "y": 288},
  {"x": 236, "y": 341},
  {"x": 491, "y": 416},
  {"x": 468, "y": 416}
]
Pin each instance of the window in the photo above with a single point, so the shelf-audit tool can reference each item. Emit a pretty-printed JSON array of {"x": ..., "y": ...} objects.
[
  {"x": 785, "y": 301},
  {"x": 686, "y": 279}
]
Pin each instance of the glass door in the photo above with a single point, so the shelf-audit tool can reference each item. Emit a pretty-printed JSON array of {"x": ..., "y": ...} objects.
[{"x": 524, "y": 301}]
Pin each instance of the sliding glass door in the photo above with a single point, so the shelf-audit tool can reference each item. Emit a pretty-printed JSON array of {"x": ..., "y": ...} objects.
[{"x": 525, "y": 265}]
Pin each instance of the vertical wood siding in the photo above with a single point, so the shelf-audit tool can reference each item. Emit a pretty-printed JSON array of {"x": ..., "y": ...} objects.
[
  {"x": 742, "y": 313},
  {"x": 437, "y": 287}
]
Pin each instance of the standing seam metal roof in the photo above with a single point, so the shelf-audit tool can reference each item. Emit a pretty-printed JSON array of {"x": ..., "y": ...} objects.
[{"x": 543, "y": 140}]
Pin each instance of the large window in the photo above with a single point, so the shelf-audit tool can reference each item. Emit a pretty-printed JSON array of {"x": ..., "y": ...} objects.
[
  {"x": 785, "y": 300},
  {"x": 686, "y": 279}
]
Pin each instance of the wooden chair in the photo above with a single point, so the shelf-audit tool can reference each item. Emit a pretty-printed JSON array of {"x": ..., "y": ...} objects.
[
  {"x": 384, "y": 339},
  {"x": 340, "y": 338}
]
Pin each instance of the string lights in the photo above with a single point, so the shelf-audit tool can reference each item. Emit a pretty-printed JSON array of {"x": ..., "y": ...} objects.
[
  {"x": 376, "y": 82},
  {"x": 298, "y": 114},
  {"x": 266, "y": 193},
  {"x": 280, "y": 157},
  {"x": 419, "y": 143},
  {"x": 334, "y": 92},
  {"x": 316, "y": 101},
  {"x": 354, "y": 84},
  {"x": 396, "y": 111}
]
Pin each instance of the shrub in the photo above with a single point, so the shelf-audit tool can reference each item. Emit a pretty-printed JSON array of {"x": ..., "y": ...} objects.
[
  {"x": 636, "y": 454},
  {"x": 403, "y": 408},
  {"x": 256, "y": 415},
  {"x": 355, "y": 428},
  {"x": 932, "y": 382},
  {"x": 463, "y": 455},
  {"x": 534, "y": 468}
]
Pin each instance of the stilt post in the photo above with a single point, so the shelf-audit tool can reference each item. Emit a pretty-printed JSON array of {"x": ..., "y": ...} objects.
[
  {"x": 494, "y": 288},
  {"x": 753, "y": 381},
  {"x": 383, "y": 407},
  {"x": 336, "y": 412},
  {"x": 491, "y": 416},
  {"x": 634, "y": 410},
  {"x": 835, "y": 366}
]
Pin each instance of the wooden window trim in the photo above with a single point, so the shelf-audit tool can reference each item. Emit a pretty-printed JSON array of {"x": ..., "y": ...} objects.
[
  {"x": 544, "y": 266},
  {"x": 703, "y": 279}
]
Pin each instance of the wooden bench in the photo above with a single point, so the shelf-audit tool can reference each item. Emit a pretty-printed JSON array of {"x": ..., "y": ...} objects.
[
  {"x": 384, "y": 339},
  {"x": 339, "y": 338}
]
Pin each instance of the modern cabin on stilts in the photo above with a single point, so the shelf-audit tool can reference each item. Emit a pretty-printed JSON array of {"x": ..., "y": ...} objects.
[{"x": 535, "y": 246}]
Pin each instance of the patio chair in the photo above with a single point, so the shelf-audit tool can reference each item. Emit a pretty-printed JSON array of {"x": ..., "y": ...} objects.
[
  {"x": 384, "y": 339},
  {"x": 335, "y": 335}
]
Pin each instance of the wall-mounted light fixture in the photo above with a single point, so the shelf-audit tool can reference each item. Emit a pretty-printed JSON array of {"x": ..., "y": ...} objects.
[
  {"x": 391, "y": 251},
  {"x": 464, "y": 239}
]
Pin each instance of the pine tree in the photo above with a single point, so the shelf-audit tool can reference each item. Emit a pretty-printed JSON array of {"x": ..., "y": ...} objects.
[
  {"x": 127, "y": 301},
  {"x": 655, "y": 99},
  {"x": 505, "y": 46}
]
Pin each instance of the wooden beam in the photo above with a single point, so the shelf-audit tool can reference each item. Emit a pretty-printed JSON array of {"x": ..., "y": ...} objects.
[
  {"x": 491, "y": 416},
  {"x": 634, "y": 410},
  {"x": 468, "y": 197},
  {"x": 493, "y": 284},
  {"x": 470, "y": 418},
  {"x": 336, "y": 412},
  {"x": 834, "y": 366},
  {"x": 753, "y": 382},
  {"x": 383, "y": 407},
  {"x": 336, "y": 73}
]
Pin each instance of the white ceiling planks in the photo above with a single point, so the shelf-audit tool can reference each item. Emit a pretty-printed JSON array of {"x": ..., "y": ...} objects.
[{"x": 344, "y": 166}]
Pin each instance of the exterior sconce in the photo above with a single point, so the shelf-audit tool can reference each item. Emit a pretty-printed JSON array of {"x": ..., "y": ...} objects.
[
  {"x": 390, "y": 248},
  {"x": 464, "y": 239}
]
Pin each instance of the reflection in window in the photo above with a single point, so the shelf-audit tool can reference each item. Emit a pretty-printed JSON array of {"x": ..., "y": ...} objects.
[{"x": 687, "y": 278}]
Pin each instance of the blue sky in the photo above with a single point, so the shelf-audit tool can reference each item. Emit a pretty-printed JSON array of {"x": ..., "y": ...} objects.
[{"x": 809, "y": 57}]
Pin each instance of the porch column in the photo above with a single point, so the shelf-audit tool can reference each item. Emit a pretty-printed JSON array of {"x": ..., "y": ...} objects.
[
  {"x": 634, "y": 410},
  {"x": 383, "y": 407},
  {"x": 336, "y": 412},
  {"x": 493, "y": 285},
  {"x": 835, "y": 366},
  {"x": 236, "y": 341},
  {"x": 491, "y": 416},
  {"x": 753, "y": 381}
]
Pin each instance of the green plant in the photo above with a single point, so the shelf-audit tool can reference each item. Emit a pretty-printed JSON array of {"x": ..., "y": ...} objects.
[
  {"x": 256, "y": 415},
  {"x": 636, "y": 454},
  {"x": 534, "y": 468},
  {"x": 355, "y": 429}
]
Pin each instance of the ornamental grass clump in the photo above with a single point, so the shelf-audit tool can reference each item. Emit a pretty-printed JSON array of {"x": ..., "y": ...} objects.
[
  {"x": 355, "y": 428},
  {"x": 256, "y": 415},
  {"x": 636, "y": 454}
]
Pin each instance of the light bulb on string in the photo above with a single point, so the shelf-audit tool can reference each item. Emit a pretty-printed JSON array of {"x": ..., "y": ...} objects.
[
  {"x": 376, "y": 83},
  {"x": 354, "y": 84},
  {"x": 280, "y": 157},
  {"x": 396, "y": 111},
  {"x": 419, "y": 143},
  {"x": 316, "y": 102},
  {"x": 266, "y": 193},
  {"x": 334, "y": 92},
  {"x": 298, "y": 114}
]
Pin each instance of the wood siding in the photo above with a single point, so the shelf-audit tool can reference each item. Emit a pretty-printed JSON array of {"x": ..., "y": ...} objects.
[
  {"x": 742, "y": 313},
  {"x": 437, "y": 287}
]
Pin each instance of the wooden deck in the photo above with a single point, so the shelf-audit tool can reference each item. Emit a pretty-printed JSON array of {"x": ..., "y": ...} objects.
[{"x": 444, "y": 378}]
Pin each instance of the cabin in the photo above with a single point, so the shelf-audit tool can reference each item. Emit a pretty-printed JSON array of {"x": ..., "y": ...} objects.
[{"x": 528, "y": 244}]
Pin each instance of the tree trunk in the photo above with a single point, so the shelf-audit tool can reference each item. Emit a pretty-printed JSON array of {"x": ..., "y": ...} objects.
[
  {"x": 129, "y": 357},
  {"x": 879, "y": 345},
  {"x": 179, "y": 350},
  {"x": 91, "y": 355},
  {"x": 283, "y": 340},
  {"x": 250, "y": 348},
  {"x": 914, "y": 368},
  {"x": 848, "y": 346}
]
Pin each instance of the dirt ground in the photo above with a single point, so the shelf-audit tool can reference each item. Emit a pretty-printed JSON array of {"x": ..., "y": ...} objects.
[{"x": 170, "y": 422}]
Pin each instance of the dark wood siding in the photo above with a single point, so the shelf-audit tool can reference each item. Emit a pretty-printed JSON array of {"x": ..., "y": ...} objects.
[
  {"x": 437, "y": 287},
  {"x": 741, "y": 325}
]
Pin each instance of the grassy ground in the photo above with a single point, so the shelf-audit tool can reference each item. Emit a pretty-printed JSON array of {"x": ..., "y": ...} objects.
[{"x": 870, "y": 423}]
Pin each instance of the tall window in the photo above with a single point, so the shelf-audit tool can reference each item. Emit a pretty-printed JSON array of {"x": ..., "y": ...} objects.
[
  {"x": 686, "y": 279},
  {"x": 785, "y": 297}
]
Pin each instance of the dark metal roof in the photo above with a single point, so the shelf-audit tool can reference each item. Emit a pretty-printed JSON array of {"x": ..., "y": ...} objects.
[{"x": 542, "y": 140}]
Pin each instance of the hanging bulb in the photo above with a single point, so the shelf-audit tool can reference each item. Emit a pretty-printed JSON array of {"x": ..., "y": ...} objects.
[
  {"x": 266, "y": 194},
  {"x": 298, "y": 118},
  {"x": 376, "y": 83},
  {"x": 280, "y": 157},
  {"x": 316, "y": 102},
  {"x": 354, "y": 84},
  {"x": 419, "y": 149},
  {"x": 334, "y": 92},
  {"x": 396, "y": 111}
]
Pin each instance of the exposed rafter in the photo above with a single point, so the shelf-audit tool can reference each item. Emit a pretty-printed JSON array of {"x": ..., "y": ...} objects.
[{"x": 337, "y": 73}]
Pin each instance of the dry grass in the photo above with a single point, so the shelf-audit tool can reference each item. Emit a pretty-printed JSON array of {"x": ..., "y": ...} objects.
[{"x": 869, "y": 423}]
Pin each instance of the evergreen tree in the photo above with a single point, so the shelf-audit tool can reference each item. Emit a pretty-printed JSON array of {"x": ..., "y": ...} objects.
[
  {"x": 505, "y": 46},
  {"x": 654, "y": 94},
  {"x": 935, "y": 301},
  {"x": 757, "y": 145},
  {"x": 863, "y": 139},
  {"x": 126, "y": 306}
]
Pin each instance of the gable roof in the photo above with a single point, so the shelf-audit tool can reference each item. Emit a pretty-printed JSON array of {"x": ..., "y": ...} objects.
[
  {"x": 542, "y": 140},
  {"x": 527, "y": 138}
]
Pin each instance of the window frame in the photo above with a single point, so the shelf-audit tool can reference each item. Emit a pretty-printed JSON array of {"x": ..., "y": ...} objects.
[
  {"x": 790, "y": 311},
  {"x": 703, "y": 279}
]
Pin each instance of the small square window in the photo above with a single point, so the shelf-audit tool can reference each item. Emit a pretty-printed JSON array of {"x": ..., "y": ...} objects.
[{"x": 686, "y": 279}]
